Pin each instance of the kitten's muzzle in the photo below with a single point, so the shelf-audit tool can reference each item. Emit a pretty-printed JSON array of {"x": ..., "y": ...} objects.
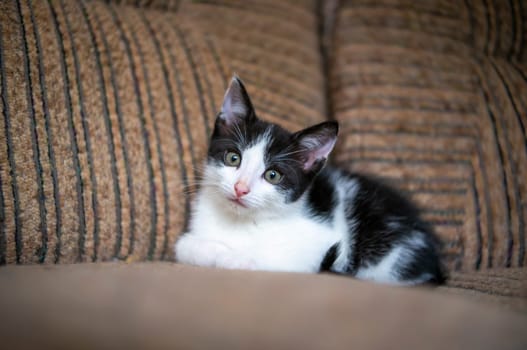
[{"x": 238, "y": 201}]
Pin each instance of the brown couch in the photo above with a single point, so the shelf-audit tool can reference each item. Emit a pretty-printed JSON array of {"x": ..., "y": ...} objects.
[{"x": 106, "y": 111}]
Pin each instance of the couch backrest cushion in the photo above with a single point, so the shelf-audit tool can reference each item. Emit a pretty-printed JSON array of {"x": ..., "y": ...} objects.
[
  {"x": 432, "y": 97},
  {"x": 106, "y": 112}
]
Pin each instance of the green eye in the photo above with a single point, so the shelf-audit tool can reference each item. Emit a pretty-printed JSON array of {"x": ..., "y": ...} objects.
[
  {"x": 273, "y": 177},
  {"x": 232, "y": 159}
]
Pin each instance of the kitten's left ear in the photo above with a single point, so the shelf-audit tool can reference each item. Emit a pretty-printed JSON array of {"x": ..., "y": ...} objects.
[
  {"x": 316, "y": 142},
  {"x": 237, "y": 105}
]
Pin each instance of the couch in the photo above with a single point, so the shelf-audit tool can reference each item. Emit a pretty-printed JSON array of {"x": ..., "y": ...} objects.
[{"x": 106, "y": 111}]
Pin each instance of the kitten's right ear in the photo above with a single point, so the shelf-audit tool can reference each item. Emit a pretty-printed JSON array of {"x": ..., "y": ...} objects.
[{"x": 236, "y": 105}]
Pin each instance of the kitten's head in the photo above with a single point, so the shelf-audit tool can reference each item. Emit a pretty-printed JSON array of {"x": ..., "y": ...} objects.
[{"x": 255, "y": 165}]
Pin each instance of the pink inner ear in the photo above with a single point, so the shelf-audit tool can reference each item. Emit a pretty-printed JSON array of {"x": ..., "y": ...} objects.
[
  {"x": 319, "y": 153},
  {"x": 233, "y": 106}
]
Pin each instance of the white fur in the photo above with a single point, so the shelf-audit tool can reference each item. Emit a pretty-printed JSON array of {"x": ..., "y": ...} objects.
[
  {"x": 386, "y": 271},
  {"x": 345, "y": 189},
  {"x": 291, "y": 243}
]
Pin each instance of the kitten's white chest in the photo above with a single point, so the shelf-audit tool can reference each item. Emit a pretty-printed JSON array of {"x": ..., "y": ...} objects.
[{"x": 291, "y": 243}]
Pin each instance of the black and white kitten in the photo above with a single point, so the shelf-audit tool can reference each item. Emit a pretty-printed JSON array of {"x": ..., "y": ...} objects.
[{"x": 267, "y": 202}]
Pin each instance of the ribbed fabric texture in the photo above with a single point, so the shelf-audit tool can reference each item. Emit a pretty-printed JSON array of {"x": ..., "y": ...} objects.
[
  {"x": 107, "y": 109},
  {"x": 432, "y": 96},
  {"x": 506, "y": 287}
]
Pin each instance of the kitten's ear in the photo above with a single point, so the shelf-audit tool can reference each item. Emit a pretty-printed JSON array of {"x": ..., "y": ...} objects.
[
  {"x": 316, "y": 142},
  {"x": 237, "y": 105}
]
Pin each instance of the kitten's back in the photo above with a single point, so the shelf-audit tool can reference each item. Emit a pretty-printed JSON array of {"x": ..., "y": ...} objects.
[{"x": 381, "y": 221}]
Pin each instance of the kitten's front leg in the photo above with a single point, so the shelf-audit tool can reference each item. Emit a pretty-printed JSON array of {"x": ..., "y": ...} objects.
[{"x": 199, "y": 251}]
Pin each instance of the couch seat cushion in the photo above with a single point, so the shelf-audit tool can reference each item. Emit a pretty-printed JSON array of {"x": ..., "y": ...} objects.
[{"x": 163, "y": 305}]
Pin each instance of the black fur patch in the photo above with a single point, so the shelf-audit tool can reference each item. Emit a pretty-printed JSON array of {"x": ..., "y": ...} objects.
[
  {"x": 427, "y": 260},
  {"x": 384, "y": 218},
  {"x": 329, "y": 258},
  {"x": 322, "y": 198}
]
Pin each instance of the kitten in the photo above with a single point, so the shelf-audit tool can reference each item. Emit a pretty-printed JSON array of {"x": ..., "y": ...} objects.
[{"x": 267, "y": 202}]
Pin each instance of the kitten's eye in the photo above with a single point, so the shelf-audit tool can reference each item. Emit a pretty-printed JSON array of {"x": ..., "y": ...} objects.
[
  {"x": 232, "y": 159},
  {"x": 273, "y": 177}
]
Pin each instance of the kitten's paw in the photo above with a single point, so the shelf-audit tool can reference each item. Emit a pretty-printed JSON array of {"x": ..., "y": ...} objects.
[
  {"x": 192, "y": 250},
  {"x": 235, "y": 262}
]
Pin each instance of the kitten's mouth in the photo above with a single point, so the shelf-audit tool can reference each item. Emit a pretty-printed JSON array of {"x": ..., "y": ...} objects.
[{"x": 238, "y": 201}]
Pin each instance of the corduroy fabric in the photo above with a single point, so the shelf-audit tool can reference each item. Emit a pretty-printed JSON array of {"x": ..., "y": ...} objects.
[
  {"x": 506, "y": 287},
  {"x": 432, "y": 96},
  {"x": 107, "y": 109}
]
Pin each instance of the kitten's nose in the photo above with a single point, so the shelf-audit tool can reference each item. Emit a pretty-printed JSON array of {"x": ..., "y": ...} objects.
[{"x": 241, "y": 189}]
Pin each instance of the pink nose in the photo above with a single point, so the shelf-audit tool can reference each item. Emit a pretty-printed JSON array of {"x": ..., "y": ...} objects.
[{"x": 241, "y": 189}]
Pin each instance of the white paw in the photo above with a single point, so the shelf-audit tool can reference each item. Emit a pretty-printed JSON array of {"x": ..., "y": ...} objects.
[
  {"x": 193, "y": 250},
  {"x": 236, "y": 262}
]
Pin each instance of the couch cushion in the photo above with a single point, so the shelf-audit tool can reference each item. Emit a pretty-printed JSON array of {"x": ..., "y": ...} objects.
[
  {"x": 162, "y": 305},
  {"x": 504, "y": 287},
  {"x": 431, "y": 96},
  {"x": 106, "y": 112}
]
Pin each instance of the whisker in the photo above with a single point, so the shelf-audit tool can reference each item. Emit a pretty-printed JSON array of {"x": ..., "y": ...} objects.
[
  {"x": 238, "y": 133},
  {"x": 289, "y": 153}
]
